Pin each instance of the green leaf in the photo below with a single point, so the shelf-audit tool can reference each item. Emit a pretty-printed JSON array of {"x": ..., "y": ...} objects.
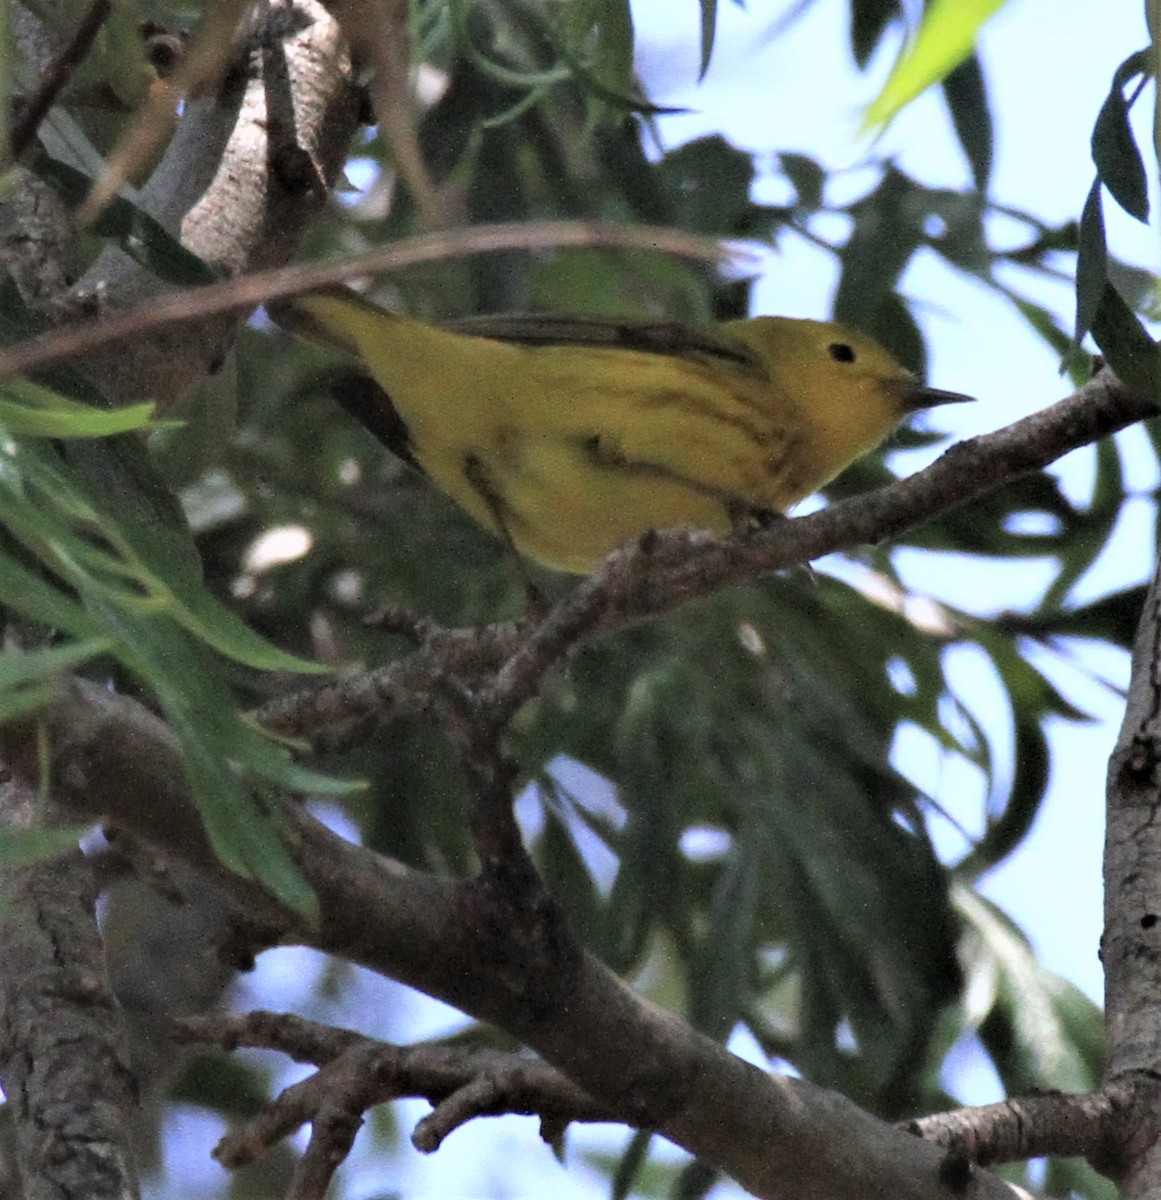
[
  {"x": 27, "y": 847},
  {"x": 268, "y": 760},
  {"x": 564, "y": 866},
  {"x": 145, "y": 546},
  {"x": 720, "y": 210},
  {"x": 571, "y": 65},
  {"x": 30, "y": 410},
  {"x": 1122, "y": 339},
  {"x": 115, "y": 469},
  {"x": 143, "y": 606},
  {"x": 696, "y": 1180},
  {"x": 894, "y": 328},
  {"x": 886, "y": 233},
  {"x": 1091, "y": 263},
  {"x": 26, "y": 592},
  {"x": 944, "y": 39},
  {"x": 37, "y": 666},
  {"x": 721, "y": 979},
  {"x": 1025, "y": 796},
  {"x": 630, "y": 1164},
  {"x": 218, "y": 749},
  {"x": 966, "y": 94},
  {"x": 1038, "y": 1028},
  {"x": 1114, "y": 150},
  {"x": 806, "y": 177},
  {"x": 613, "y": 60},
  {"x": 1091, "y": 534},
  {"x": 869, "y": 20},
  {"x": 709, "y": 24},
  {"x": 1112, "y": 618}
]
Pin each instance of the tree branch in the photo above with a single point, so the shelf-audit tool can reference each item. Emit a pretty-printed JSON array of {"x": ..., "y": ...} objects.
[
  {"x": 510, "y": 958},
  {"x": 1131, "y": 944},
  {"x": 33, "y": 109},
  {"x": 460, "y": 1082},
  {"x": 155, "y": 316},
  {"x": 231, "y": 185},
  {"x": 669, "y": 569},
  {"x": 62, "y": 1040},
  {"x": 1091, "y": 1126}
]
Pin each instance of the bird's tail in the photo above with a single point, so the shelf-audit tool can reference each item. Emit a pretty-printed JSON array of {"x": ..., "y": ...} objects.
[{"x": 325, "y": 316}]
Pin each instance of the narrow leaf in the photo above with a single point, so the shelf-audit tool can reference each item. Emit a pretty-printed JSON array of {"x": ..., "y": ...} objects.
[
  {"x": 140, "y": 235},
  {"x": 1118, "y": 160},
  {"x": 709, "y": 23},
  {"x": 944, "y": 40},
  {"x": 1091, "y": 263},
  {"x": 966, "y": 94},
  {"x": 36, "y": 666},
  {"x": 30, "y": 410},
  {"x": 806, "y": 177},
  {"x": 1122, "y": 339},
  {"x": 25, "y": 592},
  {"x": 869, "y": 18},
  {"x": 27, "y": 847}
]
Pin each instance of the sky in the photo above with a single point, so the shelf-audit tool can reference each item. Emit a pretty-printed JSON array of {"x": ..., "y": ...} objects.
[{"x": 1048, "y": 64}]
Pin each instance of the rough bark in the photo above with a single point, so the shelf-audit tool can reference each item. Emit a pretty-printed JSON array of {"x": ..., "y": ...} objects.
[
  {"x": 62, "y": 1054},
  {"x": 1131, "y": 944}
]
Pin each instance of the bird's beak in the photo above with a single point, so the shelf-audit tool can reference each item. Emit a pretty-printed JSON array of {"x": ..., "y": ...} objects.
[{"x": 916, "y": 397}]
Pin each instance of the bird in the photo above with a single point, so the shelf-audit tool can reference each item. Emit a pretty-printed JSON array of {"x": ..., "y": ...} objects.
[{"x": 568, "y": 437}]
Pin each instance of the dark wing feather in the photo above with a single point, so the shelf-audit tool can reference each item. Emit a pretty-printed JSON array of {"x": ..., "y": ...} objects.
[
  {"x": 649, "y": 337},
  {"x": 371, "y": 406}
]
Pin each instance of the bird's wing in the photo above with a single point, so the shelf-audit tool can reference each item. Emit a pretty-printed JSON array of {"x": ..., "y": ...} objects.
[
  {"x": 649, "y": 337},
  {"x": 372, "y": 407}
]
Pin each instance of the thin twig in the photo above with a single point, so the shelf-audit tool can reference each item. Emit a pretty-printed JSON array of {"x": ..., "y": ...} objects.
[
  {"x": 355, "y": 1073},
  {"x": 379, "y": 36},
  {"x": 248, "y": 291}
]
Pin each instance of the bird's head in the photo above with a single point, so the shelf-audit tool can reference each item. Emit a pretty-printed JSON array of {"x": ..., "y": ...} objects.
[{"x": 848, "y": 391}]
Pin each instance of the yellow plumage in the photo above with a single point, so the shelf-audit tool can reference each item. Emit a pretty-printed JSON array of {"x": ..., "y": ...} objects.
[{"x": 569, "y": 438}]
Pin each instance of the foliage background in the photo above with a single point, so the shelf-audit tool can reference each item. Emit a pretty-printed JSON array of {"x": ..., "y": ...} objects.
[{"x": 766, "y": 861}]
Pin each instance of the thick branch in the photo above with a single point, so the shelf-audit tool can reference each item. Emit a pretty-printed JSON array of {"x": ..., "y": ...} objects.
[
  {"x": 1050, "y": 1123},
  {"x": 521, "y": 968},
  {"x": 62, "y": 1051},
  {"x": 1131, "y": 944},
  {"x": 246, "y": 170}
]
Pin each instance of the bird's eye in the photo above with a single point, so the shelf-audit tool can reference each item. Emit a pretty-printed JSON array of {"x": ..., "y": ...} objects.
[{"x": 841, "y": 352}]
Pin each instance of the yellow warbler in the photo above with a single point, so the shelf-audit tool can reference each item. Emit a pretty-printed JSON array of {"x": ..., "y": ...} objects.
[{"x": 570, "y": 437}]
